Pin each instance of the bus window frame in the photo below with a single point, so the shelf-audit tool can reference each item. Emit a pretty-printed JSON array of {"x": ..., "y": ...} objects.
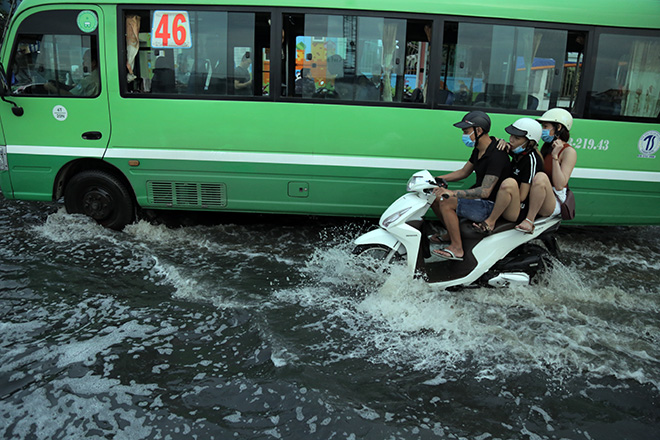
[
  {"x": 437, "y": 39},
  {"x": 568, "y": 27},
  {"x": 122, "y": 53},
  {"x": 580, "y": 109},
  {"x": 598, "y": 31},
  {"x": 358, "y": 13},
  {"x": 14, "y": 35}
]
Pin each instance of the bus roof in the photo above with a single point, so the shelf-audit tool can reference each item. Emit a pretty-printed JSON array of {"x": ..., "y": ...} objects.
[{"x": 633, "y": 14}]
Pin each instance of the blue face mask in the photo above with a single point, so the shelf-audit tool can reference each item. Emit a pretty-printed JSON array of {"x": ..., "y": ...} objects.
[
  {"x": 468, "y": 141},
  {"x": 545, "y": 135},
  {"x": 519, "y": 149}
]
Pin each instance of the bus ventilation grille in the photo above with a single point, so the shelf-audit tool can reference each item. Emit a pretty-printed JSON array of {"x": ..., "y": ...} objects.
[{"x": 187, "y": 194}]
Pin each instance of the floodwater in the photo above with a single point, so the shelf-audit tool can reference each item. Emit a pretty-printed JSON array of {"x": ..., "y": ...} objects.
[{"x": 262, "y": 327}]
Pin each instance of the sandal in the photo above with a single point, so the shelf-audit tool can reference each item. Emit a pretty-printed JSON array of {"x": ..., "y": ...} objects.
[
  {"x": 525, "y": 230},
  {"x": 482, "y": 228},
  {"x": 438, "y": 239},
  {"x": 447, "y": 255}
]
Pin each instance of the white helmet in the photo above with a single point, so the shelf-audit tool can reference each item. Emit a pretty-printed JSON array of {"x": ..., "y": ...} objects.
[
  {"x": 558, "y": 115},
  {"x": 525, "y": 127}
]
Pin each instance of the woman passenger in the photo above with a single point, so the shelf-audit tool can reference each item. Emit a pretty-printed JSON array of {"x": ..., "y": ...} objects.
[
  {"x": 527, "y": 162},
  {"x": 549, "y": 187}
]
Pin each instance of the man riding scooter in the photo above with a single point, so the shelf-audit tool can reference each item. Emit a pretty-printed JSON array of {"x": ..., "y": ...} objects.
[{"x": 491, "y": 166}]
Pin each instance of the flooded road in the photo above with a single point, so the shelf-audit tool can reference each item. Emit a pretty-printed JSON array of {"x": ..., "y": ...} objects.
[{"x": 258, "y": 327}]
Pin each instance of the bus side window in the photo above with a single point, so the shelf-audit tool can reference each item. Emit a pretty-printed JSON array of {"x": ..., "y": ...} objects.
[
  {"x": 354, "y": 58},
  {"x": 627, "y": 77},
  {"x": 224, "y": 53},
  {"x": 418, "y": 45},
  {"x": 47, "y": 62},
  {"x": 510, "y": 67}
]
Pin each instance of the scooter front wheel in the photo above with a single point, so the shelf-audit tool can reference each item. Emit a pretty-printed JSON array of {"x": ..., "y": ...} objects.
[{"x": 376, "y": 257}]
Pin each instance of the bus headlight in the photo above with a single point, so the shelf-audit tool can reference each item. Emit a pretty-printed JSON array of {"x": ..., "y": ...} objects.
[{"x": 3, "y": 158}]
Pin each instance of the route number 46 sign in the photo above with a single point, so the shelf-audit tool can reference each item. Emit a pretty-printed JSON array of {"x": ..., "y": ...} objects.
[{"x": 170, "y": 29}]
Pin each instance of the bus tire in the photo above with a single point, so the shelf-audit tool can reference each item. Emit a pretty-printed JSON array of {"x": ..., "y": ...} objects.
[{"x": 101, "y": 196}]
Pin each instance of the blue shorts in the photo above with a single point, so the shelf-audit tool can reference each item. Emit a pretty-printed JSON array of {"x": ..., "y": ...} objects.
[{"x": 476, "y": 210}]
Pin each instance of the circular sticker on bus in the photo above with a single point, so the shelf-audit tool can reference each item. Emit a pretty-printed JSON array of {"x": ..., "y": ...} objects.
[
  {"x": 649, "y": 144},
  {"x": 60, "y": 113},
  {"x": 87, "y": 21}
]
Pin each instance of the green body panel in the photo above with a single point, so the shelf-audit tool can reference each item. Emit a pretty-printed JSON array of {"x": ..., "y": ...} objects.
[
  {"x": 358, "y": 131},
  {"x": 342, "y": 159}
]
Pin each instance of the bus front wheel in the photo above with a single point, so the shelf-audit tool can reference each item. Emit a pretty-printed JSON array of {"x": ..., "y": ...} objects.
[{"x": 102, "y": 196}]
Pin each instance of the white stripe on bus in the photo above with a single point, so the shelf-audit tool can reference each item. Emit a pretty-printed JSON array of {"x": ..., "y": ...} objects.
[{"x": 303, "y": 159}]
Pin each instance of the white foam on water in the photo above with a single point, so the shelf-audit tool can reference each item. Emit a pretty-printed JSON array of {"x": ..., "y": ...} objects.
[
  {"x": 566, "y": 326},
  {"x": 81, "y": 406},
  {"x": 145, "y": 232},
  {"x": 281, "y": 356},
  {"x": 572, "y": 323},
  {"x": 180, "y": 257},
  {"x": 51, "y": 400},
  {"x": 61, "y": 227},
  {"x": 81, "y": 350}
]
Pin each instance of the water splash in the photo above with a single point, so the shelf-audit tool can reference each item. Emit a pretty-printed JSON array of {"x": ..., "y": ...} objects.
[{"x": 566, "y": 326}]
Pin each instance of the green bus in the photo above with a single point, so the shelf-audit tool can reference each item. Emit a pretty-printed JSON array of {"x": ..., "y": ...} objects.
[{"x": 297, "y": 107}]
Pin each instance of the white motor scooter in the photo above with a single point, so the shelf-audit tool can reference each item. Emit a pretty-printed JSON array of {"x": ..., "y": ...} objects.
[{"x": 500, "y": 259}]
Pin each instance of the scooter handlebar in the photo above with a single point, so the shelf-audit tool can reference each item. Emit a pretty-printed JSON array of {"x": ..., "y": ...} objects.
[{"x": 442, "y": 183}]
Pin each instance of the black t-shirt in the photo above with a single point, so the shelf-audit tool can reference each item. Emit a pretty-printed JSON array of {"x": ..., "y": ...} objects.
[
  {"x": 494, "y": 162},
  {"x": 525, "y": 166}
]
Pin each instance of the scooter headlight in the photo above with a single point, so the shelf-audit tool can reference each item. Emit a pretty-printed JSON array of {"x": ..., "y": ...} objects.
[
  {"x": 394, "y": 217},
  {"x": 413, "y": 181}
]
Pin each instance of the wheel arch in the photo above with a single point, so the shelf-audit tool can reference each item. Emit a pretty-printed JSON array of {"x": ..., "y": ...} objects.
[{"x": 75, "y": 166}]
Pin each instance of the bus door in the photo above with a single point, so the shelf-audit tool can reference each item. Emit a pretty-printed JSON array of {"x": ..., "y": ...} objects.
[{"x": 55, "y": 73}]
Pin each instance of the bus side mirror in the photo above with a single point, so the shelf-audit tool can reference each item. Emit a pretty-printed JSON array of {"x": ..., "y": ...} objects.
[{"x": 4, "y": 89}]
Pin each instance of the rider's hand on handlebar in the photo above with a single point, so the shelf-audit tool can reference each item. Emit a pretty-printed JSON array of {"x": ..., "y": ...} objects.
[
  {"x": 442, "y": 193},
  {"x": 442, "y": 183}
]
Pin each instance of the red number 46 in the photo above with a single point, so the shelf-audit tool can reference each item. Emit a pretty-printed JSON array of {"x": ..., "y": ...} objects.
[{"x": 178, "y": 27}]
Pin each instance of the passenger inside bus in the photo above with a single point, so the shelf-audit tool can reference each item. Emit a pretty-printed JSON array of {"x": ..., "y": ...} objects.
[
  {"x": 89, "y": 85},
  {"x": 344, "y": 88},
  {"x": 305, "y": 83},
  {"x": 22, "y": 69},
  {"x": 370, "y": 88},
  {"x": 132, "y": 45},
  {"x": 163, "y": 80},
  {"x": 372, "y": 59},
  {"x": 220, "y": 44},
  {"x": 242, "y": 76}
]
